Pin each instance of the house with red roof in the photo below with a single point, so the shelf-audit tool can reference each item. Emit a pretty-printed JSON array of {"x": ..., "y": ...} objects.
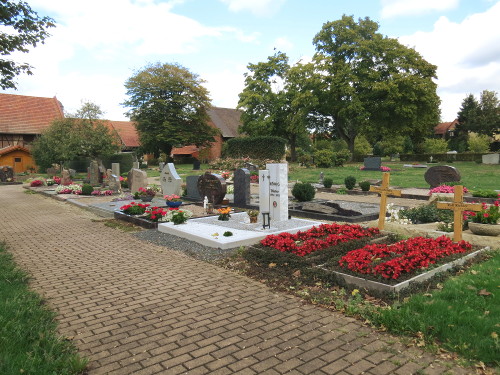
[{"x": 446, "y": 130}]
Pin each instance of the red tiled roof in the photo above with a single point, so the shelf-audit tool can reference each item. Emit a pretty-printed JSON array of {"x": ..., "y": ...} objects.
[
  {"x": 186, "y": 150},
  {"x": 443, "y": 127},
  {"x": 6, "y": 150},
  {"x": 126, "y": 131},
  {"x": 21, "y": 114},
  {"x": 227, "y": 120}
]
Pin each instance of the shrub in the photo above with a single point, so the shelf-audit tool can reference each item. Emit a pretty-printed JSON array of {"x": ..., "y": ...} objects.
[
  {"x": 323, "y": 158},
  {"x": 305, "y": 160},
  {"x": 340, "y": 157},
  {"x": 362, "y": 146},
  {"x": 408, "y": 145},
  {"x": 485, "y": 194},
  {"x": 478, "y": 143},
  {"x": 263, "y": 147},
  {"x": 364, "y": 185},
  {"x": 87, "y": 189},
  {"x": 350, "y": 182},
  {"x": 328, "y": 182},
  {"x": 435, "y": 146},
  {"x": 323, "y": 144},
  {"x": 392, "y": 145},
  {"x": 303, "y": 192},
  {"x": 427, "y": 213}
]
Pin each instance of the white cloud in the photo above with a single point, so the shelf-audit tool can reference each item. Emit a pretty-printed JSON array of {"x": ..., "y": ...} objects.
[
  {"x": 282, "y": 44},
  {"x": 393, "y": 8},
  {"x": 467, "y": 55},
  {"x": 261, "y": 8},
  {"x": 225, "y": 85}
]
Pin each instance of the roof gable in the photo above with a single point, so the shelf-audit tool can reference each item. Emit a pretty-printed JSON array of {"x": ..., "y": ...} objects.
[
  {"x": 444, "y": 127},
  {"x": 127, "y": 132},
  {"x": 227, "y": 120},
  {"x": 9, "y": 149},
  {"x": 21, "y": 114}
]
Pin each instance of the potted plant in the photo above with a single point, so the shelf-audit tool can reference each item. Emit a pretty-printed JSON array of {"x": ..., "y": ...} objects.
[
  {"x": 224, "y": 213},
  {"x": 485, "y": 222},
  {"x": 147, "y": 194},
  {"x": 177, "y": 216},
  {"x": 253, "y": 215},
  {"x": 173, "y": 200}
]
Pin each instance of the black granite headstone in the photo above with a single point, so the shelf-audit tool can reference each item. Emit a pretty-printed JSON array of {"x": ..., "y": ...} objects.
[
  {"x": 192, "y": 188},
  {"x": 196, "y": 165},
  {"x": 372, "y": 163},
  {"x": 242, "y": 187}
]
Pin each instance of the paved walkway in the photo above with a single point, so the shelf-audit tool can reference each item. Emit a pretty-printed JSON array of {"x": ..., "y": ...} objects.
[{"x": 137, "y": 308}]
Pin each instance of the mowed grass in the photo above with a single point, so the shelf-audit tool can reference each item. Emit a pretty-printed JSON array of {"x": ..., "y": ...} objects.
[
  {"x": 473, "y": 175},
  {"x": 463, "y": 316},
  {"x": 29, "y": 342}
]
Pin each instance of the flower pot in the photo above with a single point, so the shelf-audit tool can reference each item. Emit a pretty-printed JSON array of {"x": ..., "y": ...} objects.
[
  {"x": 174, "y": 204},
  {"x": 146, "y": 198},
  {"x": 485, "y": 229},
  {"x": 224, "y": 217},
  {"x": 253, "y": 219}
]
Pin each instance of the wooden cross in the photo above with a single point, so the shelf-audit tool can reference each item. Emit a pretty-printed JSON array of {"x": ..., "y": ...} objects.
[
  {"x": 384, "y": 191},
  {"x": 458, "y": 207}
]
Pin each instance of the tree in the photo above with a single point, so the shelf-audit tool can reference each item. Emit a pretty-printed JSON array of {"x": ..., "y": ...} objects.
[
  {"x": 169, "y": 105},
  {"x": 81, "y": 135},
  {"x": 22, "y": 27},
  {"x": 482, "y": 117},
  {"x": 370, "y": 83},
  {"x": 276, "y": 100}
]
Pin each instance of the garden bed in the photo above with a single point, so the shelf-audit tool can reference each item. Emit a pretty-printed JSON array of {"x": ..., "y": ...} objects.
[{"x": 136, "y": 220}]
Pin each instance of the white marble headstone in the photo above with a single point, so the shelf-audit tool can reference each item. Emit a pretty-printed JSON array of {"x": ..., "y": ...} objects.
[
  {"x": 264, "y": 191},
  {"x": 278, "y": 191},
  {"x": 170, "y": 180}
]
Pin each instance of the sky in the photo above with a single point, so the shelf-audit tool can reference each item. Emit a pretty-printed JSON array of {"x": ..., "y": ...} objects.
[{"x": 98, "y": 44}]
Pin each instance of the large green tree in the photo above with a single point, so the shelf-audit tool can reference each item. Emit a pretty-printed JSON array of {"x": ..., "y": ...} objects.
[
  {"x": 481, "y": 116},
  {"x": 169, "y": 105},
  {"x": 81, "y": 135},
  {"x": 370, "y": 83},
  {"x": 277, "y": 100},
  {"x": 21, "y": 28}
]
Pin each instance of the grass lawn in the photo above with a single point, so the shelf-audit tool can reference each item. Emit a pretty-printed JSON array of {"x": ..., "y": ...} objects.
[
  {"x": 29, "y": 342},
  {"x": 474, "y": 176},
  {"x": 462, "y": 316}
]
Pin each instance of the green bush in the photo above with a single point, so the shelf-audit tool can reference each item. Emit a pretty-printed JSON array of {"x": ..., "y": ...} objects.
[
  {"x": 350, "y": 182},
  {"x": 340, "y": 157},
  {"x": 479, "y": 143},
  {"x": 303, "y": 192},
  {"x": 408, "y": 145},
  {"x": 323, "y": 144},
  {"x": 125, "y": 159},
  {"x": 323, "y": 158},
  {"x": 87, "y": 189},
  {"x": 305, "y": 160},
  {"x": 328, "y": 182},
  {"x": 263, "y": 147},
  {"x": 485, "y": 193},
  {"x": 392, "y": 145},
  {"x": 428, "y": 213},
  {"x": 362, "y": 146},
  {"x": 435, "y": 146},
  {"x": 364, "y": 185}
]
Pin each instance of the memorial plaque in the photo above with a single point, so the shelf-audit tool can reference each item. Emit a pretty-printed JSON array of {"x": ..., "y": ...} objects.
[
  {"x": 170, "y": 181},
  {"x": 242, "y": 187},
  {"x": 435, "y": 176},
  {"x": 372, "y": 163},
  {"x": 212, "y": 186}
]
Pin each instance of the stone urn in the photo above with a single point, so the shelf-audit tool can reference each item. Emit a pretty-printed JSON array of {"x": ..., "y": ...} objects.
[
  {"x": 485, "y": 229},
  {"x": 146, "y": 198}
]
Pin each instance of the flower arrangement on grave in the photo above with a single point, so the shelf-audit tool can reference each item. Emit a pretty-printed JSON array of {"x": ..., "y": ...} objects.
[
  {"x": 149, "y": 191},
  {"x": 444, "y": 189},
  {"x": 172, "y": 198},
  {"x": 102, "y": 192},
  {"x": 253, "y": 215},
  {"x": 254, "y": 178},
  {"x": 36, "y": 183},
  {"x": 69, "y": 189},
  {"x": 156, "y": 214},
  {"x": 229, "y": 189},
  {"x": 57, "y": 180},
  {"x": 391, "y": 261},
  {"x": 488, "y": 215},
  {"x": 177, "y": 216},
  {"x": 134, "y": 208},
  {"x": 123, "y": 197},
  {"x": 224, "y": 213}
]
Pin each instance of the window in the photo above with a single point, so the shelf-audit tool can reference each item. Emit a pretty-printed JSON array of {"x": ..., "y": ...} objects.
[{"x": 17, "y": 160}]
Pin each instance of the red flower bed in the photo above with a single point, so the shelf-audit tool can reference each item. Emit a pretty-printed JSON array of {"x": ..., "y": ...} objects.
[
  {"x": 317, "y": 238},
  {"x": 390, "y": 261}
]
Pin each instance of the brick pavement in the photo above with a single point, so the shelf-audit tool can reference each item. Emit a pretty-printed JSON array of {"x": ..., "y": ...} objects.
[{"x": 137, "y": 308}]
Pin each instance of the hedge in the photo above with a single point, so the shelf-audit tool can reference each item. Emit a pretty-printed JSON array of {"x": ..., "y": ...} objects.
[
  {"x": 264, "y": 147},
  {"x": 466, "y": 156},
  {"x": 125, "y": 159}
]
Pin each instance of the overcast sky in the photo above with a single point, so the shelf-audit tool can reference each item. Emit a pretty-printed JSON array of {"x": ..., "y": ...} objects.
[{"x": 98, "y": 44}]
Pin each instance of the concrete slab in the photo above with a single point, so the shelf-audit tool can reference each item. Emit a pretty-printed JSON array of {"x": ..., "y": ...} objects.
[{"x": 209, "y": 231}]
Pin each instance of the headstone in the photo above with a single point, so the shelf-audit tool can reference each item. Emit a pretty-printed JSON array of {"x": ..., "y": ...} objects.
[
  {"x": 276, "y": 197},
  {"x": 52, "y": 171},
  {"x": 135, "y": 165},
  {"x": 170, "y": 180},
  {"x": 115, "y": 169},
  {"x": 372, "y": 163},
  {"x": 435, "y": 176},
  {"x": 251, "y": 167},
  {"x": 72, "y": 173},
  {"x": 6, "y": 173},
  {"x": 137, "y": 179},
  {"x": 213, "y": 187},
  {"x": 113, "y": 181},
  {"x": 102, "y": 173},
  {"x": 321, "y": 177},
  {"x": 242, "y": 187},
  {"x": 161, "y": 165},
  {"x": 196, "y": 165},
  {"x": 491, "y": 159},
  {"x": 94, "y": 173},
  {"x": 192, "y": 188},
  {"x": 65, "y": 177}
]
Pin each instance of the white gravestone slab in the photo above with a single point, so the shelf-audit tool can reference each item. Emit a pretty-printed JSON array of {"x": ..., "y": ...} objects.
[
  {"x": 135, "y": 165},
  {"x": 170, "y": 180},
  {"x": 491, "y": 158},
  {"x": 278, "y": 191},
  {"x": 264, "y": 191}
]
